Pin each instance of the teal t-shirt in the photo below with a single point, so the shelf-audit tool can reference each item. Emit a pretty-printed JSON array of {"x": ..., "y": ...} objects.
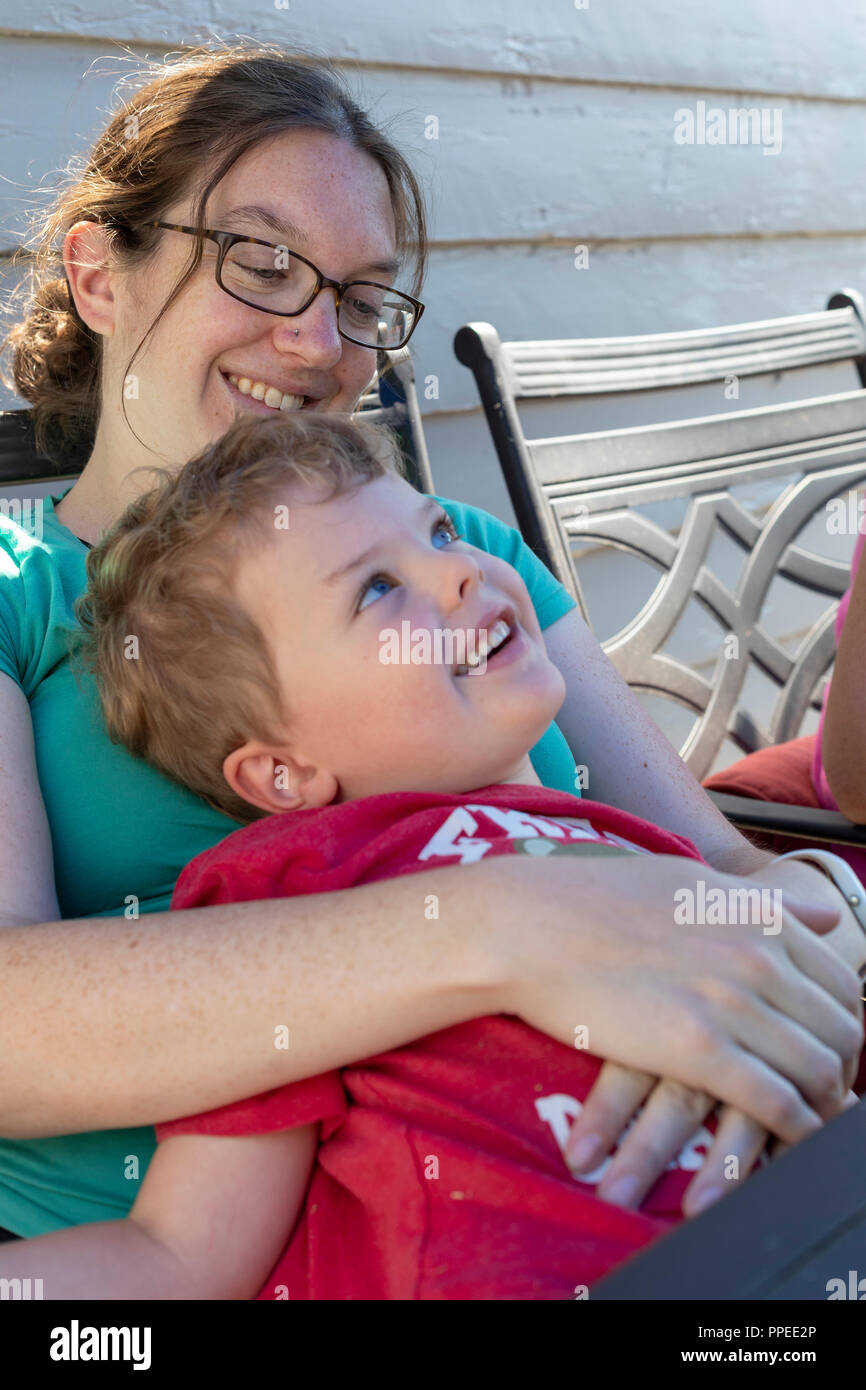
[{"x": 122, "y": 832}]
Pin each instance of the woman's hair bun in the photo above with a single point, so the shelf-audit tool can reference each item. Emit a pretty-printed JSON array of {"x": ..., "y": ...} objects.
[{"x": 55, "y": 367}]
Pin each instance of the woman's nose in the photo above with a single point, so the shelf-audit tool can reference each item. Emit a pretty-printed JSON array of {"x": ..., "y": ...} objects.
[{"x": 313, "y": 334}]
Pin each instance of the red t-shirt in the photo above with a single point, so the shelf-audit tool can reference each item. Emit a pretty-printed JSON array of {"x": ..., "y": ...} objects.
[{"x": 439, "y": 1173}]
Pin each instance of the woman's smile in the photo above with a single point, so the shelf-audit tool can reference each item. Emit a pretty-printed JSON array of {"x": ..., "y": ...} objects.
[{"x": 262, "y": 398}]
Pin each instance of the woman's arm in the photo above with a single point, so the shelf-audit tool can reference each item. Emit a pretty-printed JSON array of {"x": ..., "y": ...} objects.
[
  {"x": 631, "y": 763},
  {"x": 843, "y": 741},
  {"x": 105, "y": 1024},
  {"x": 26, "y": 863}
]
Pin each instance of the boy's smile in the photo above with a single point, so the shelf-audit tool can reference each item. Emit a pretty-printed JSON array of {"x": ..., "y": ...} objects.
[{"x": 408, "y": 660}]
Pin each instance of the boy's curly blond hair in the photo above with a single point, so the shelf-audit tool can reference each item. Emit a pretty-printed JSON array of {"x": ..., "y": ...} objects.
[{"x": 184, "y": 674}]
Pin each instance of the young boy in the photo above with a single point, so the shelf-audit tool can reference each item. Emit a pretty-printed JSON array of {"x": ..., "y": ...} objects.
[{"x": 263, "y": 627}]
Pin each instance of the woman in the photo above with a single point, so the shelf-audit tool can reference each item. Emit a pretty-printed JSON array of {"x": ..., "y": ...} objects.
[{"x": 140, "y": 356}]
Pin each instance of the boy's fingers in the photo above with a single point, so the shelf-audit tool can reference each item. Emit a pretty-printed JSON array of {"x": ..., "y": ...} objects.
[
  {"x": 739, "y": 1140},
  {"x": 617, "y": 1093},
  {"x": 668, "y": 1120}
]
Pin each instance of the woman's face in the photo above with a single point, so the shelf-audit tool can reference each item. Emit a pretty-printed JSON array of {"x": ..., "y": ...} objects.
[{"x": 334, "y": 205}]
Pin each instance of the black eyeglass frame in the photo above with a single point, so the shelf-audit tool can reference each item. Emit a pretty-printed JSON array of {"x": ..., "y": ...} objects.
[{"x": 226, "y": 240}]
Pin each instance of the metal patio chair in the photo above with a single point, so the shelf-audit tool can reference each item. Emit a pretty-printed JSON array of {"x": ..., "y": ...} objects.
[{"x": 589, "y": 486}]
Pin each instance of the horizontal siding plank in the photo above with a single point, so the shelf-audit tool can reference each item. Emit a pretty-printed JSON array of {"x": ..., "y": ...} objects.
[
  {"x": 773, "y": 46},
  {"x": 563, "y": 161}
]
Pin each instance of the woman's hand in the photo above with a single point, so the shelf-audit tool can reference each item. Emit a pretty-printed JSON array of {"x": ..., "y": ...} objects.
[
  {"x": 772, "y": 1024},
  {"x": 653, "y": 1135}
]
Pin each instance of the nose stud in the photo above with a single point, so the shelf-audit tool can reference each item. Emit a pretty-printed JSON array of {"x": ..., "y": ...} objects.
[{"x": 297, "y": 331}]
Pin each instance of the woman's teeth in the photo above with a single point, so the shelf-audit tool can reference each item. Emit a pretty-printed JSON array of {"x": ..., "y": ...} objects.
[{"x": 260, "y": 391}]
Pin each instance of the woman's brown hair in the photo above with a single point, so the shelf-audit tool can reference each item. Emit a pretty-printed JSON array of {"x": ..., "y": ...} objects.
[{"x": 208, "y": 104}]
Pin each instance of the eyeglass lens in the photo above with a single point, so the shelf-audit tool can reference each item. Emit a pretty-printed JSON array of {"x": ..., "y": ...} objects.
[{"x": 269, "y": 279}]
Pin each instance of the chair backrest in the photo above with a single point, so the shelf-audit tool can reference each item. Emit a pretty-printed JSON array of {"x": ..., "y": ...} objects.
[
  {"x": 392, "y": 401},
  {"x": 589, "y": 487}
]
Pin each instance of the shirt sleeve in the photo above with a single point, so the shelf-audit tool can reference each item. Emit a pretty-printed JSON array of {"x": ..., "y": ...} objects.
[
  {"x": 319, "y": 1098},
  {"x": 487, "y": 532}
]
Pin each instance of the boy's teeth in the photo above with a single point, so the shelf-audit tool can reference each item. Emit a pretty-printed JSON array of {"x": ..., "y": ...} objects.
[
  {"x": 271, "y": 396},
  {"x": 494, "y": 638}
]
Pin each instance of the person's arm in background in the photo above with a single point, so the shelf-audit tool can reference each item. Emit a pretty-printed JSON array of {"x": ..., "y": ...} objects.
[{"x": 843, "y": 742}]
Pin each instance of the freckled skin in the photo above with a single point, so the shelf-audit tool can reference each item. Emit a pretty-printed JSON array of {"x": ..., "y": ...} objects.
[{"x": 338, "y": 197}]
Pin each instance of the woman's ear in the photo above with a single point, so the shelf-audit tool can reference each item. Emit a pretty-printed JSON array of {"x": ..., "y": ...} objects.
[
  {"x": 273, "y": 780},
  {"x": 85, "y": 256}
]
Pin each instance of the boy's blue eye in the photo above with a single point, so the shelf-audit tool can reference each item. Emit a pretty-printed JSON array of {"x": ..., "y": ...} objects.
[
  {"x": 375, "y": 585},
  {"x": 445, "y": 527}
]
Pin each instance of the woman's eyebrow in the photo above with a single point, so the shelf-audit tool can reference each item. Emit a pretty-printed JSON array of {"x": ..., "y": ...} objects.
[{"x": 256, "y": 213}]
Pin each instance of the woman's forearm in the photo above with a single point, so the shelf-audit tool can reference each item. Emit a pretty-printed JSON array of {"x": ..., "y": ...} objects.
[{"x": 106, "y": 1023}]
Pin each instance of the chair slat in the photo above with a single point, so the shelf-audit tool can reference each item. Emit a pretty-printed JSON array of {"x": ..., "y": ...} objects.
[{"x": 599, "y": 365}]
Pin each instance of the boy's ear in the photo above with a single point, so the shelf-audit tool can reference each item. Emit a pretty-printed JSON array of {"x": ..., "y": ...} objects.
[{"x": 272, "y": 779}]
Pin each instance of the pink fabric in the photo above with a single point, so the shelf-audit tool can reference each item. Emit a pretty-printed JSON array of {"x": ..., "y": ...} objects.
[{"x": 819, "y": 776}]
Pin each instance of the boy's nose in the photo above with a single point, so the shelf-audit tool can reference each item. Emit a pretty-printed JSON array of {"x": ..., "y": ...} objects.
[{"x": 456, "y": 575}]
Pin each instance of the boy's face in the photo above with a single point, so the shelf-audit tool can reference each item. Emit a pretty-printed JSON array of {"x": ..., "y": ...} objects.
[{"x": 327, "y": 591}]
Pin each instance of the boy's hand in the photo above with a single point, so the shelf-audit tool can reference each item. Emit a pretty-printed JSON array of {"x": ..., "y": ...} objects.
[
  {"x": 656, "y": 1135},
  {"x": 668, "y": 1120}
]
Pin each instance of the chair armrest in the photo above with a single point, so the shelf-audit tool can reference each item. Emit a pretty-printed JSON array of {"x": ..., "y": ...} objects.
[
  {"x": 789, "y": 1229},
  {"x": 780, "y": 818}
]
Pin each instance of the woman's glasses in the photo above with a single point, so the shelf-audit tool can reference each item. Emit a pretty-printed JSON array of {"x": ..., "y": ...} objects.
[{"x": 279, "y": 281}]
